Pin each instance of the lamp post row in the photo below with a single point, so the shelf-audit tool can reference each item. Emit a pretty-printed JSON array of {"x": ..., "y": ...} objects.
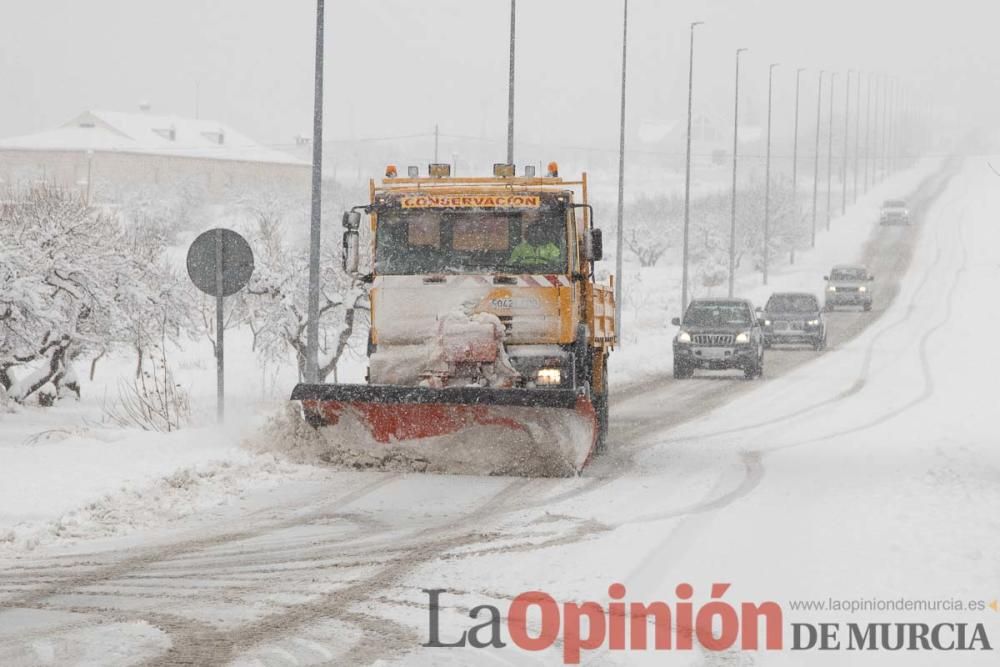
[{"x": 885, "y": 161}]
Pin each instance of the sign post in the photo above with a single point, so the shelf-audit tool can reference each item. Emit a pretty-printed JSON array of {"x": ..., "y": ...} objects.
[{"x": 220, "y": 263}]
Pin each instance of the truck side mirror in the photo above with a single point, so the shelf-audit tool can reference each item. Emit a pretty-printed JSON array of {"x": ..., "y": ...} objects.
[
  {"x": 352, "y": 221},
  {"x": 826, "y": 277},
  {"x": 595, "y": 251},
  {"x": 676, "y": 321}
]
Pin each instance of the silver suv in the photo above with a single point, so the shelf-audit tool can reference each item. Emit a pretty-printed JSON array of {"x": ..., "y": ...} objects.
[
  {"x": 894, "y": 212},
  {"x": 848, "y": 285}
]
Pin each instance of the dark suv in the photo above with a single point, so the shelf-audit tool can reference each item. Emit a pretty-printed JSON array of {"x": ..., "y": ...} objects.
[
  {"x": 794, "y": 317},
  {"x": 719, "y": 334}
]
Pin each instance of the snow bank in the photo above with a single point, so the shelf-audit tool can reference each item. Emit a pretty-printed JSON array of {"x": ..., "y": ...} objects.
[{"x": 78, "y": 482}]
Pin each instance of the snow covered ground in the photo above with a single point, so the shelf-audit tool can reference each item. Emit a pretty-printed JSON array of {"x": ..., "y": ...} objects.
[{"x": 869, "y": 471}]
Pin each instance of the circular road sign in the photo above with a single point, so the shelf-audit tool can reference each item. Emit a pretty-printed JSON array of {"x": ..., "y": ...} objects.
[{"x": 237, "y": 262}]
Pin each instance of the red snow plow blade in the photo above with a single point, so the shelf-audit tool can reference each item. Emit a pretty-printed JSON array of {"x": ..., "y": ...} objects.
[{"x": 473, "y": 430}]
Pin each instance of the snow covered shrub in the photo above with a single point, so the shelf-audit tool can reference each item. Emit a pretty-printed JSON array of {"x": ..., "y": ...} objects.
[
  {"x": 276, "y": 298},
  {"x": 152, "y": 401}
]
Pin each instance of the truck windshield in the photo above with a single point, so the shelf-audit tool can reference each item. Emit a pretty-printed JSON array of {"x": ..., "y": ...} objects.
[
  {"x": 413, "y": 242},
  {"x": 849, "y": 274},
  {"x": 792, "y": 303},
  {"x": 717, "y": 314}
]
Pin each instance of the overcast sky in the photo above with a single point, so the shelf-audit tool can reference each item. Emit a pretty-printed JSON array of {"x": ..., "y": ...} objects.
[{"x": 396, "y": 67}]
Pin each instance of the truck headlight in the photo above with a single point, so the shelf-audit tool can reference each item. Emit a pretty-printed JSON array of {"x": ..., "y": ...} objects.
[
  {"x": 684, "y": 337},
  {"x": 767, "y": 323},
  {"x": 548, "y": 376},
  {"x": 743, "y": 338},
  {"x": 831, "y": 288},
  {"x": 813, "y": 323},
  {"x": 862, "y": 289}
]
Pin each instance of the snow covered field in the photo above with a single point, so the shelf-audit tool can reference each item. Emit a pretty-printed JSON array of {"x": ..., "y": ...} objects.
[{"x": 869, "y": 471}]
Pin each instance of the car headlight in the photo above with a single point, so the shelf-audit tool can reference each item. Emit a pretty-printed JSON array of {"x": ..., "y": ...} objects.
[
  {"x": 862, "y": 289},
  {"x": 684, "y": 337},
  {"x": 743, "y": 337},
  {"x": 549, "y": 376},
  {"x": 813, "y": 323},
  {"x": 767, "y": 323},
  {"x": 831, "y": 288}
]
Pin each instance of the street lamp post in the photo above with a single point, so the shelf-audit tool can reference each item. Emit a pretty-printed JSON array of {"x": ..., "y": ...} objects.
[
  {"x": 819, "y": 107},
  {"x": 885, "y": 106},
  {"x": 90, "y": 174},
  {"x": 847, "y": 120},
  {"x": 795, "y": 160},
  {"x": 619, "y": 250},
  {"x": 868, "y": 131},
  {"x": 829, "y": 152},
  {"x": 891, "y": 140},
  {"x": 687, "y": 176},
  {"x": 312, "y": 324},
  {"x": 510, "y": 86},
  {"x": 857, "y": 134},
  {"x": 736, "y": 135},
  {"x": 767, "y": 171}
]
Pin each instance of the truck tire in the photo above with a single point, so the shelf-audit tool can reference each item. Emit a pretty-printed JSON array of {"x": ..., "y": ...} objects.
[
  {"x": 601, "y": 407},
  {"x": 682, "y": 371}
]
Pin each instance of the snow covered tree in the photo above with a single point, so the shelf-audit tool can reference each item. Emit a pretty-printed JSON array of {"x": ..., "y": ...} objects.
[
  {"x": 72, "y": 280},
  {"x": 654, "y": 226},
  {"x": 276, "y": 299}
]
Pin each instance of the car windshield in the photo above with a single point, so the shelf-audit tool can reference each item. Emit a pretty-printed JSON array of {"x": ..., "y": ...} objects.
[
  {"x": 894, "y": 203},
  {"x": 849, "y": 274},
  {"x": 718, "y": 313},
  {"x": 792, "y": 303},
  {"x": 409, "y": 242}
]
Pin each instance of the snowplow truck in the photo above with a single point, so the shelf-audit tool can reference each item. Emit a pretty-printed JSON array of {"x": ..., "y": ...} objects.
[{"x": 490, "y": 336}]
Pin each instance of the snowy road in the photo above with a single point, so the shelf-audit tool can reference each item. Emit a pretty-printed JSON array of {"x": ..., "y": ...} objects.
[{"x": 821, "y": 481}]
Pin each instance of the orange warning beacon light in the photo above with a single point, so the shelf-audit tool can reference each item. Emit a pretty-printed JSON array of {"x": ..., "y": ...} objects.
[
  {"x": 553, "y": 169},
  {"x": 390, "y": 171}
]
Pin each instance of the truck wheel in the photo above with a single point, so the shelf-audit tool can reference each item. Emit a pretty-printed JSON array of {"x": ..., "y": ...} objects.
[
  {"x": 757, "y": 369},
  {"x": 868, "y": 306},
  {"x": 601, "y": 407},
  {"x": 682, "y": 371}
]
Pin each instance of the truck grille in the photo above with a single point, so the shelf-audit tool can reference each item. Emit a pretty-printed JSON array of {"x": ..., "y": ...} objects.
[
  {"x": 847, "y": 289},
  {"x": 713, "y": 339}
]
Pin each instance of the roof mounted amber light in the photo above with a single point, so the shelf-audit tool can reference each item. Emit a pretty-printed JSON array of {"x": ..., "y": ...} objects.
[
  {"x": 439, "y": 170},
  {"x": 553, "y": 169},
  {"x": 390, "y": 171},
  {"x": 503, "y": 170}
]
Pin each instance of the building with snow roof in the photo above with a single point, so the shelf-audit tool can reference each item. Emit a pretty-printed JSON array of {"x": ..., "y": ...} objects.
[{"x": 101, "y": 151}]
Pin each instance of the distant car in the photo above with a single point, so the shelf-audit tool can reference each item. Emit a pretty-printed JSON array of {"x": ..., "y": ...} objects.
[
  {"x": 894, "y": 212},
  {"x": 794, "y": 317},
  {"x": 848, "y": 285},
  {"x": 719, "y": 334}
]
